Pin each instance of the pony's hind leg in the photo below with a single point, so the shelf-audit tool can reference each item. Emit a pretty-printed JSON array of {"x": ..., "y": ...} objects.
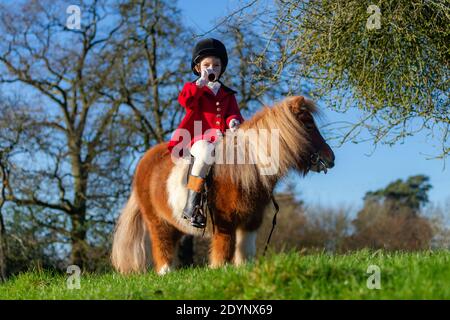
[{"x": 164, "y": 238}]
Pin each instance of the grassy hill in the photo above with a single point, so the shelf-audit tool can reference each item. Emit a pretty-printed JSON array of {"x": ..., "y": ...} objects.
[{"x": 424, "y": 275}]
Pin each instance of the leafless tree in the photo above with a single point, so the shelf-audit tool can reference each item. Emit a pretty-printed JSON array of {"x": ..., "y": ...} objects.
[
  {"x": 153, "y": 68},
  {"x": 96, "y": 99},
  {"x": 73, "y": 148},
  {"x": 3, "y": 175}
]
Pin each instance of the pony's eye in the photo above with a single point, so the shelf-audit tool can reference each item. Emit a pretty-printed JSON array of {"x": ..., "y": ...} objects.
[{"x": 309, "y": 126}]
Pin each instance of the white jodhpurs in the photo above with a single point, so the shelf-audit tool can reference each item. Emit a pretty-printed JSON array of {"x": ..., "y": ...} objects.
[{"x": 203, "y": 152}]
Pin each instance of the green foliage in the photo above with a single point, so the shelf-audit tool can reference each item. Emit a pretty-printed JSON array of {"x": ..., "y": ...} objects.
[
  {"x": 400, "y": 65},
  {"x": 395, "y": 74},
  {"x": 412, "y": 193},
  {"x": 284, "y": 276}
]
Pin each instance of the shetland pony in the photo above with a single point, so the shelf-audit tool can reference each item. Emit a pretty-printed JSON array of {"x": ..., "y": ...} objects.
[{"x": 237, "y": 195}]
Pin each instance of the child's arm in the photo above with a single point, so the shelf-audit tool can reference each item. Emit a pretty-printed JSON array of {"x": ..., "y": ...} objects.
[
  {"x": 233, "y": 112},
  {"x": 189, "y": 96}
]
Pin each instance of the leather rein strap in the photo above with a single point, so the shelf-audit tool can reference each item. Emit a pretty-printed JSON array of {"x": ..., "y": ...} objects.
[{"x": 274, "y": 222}]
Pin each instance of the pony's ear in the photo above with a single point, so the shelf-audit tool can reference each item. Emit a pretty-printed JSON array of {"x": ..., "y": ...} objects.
[{"x": 297, "y": 104}]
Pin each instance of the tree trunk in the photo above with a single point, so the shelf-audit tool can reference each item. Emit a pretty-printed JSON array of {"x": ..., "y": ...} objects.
[
  {"x": 78, "y": 254},
  {"x": 2, "y": 250},
  {"x": 3, "y": 265},
  {"x": 78, "y": 216}
]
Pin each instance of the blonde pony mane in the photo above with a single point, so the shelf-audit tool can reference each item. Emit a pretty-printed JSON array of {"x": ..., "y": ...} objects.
[{"x": 293, "y": 145}]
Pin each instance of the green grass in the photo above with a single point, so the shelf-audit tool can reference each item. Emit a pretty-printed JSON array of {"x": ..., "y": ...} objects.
[{"x": 424, "y": 275}]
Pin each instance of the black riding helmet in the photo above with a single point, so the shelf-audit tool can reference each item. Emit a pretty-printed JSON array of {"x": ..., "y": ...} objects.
[{"x": 209, "y": 47}]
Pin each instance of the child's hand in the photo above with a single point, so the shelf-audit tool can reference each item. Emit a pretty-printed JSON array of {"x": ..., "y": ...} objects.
[
  {"x": 203, "y": 80},
  {"x": 234, "y": 125}
]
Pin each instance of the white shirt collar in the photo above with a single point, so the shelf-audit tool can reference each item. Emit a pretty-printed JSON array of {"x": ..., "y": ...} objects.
[{"x": 214, "y": 86}]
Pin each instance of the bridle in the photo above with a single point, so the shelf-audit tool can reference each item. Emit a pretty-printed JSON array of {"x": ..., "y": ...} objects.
[{"x": 316, "y": 160}]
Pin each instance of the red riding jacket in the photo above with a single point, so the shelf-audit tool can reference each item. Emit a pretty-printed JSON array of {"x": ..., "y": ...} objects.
[{"x": 214, "y": 112}]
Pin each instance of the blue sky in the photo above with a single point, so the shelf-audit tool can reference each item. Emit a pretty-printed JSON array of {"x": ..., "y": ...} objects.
[{"x": 358, "y": 169}]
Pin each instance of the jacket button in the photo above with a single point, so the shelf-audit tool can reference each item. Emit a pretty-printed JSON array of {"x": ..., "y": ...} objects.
[
  {"x": 218, "y": 115},
  {"x": 217, "y": 103},
  {"x": 217, "y": 122},
  {"x": 218, "y": 109}
]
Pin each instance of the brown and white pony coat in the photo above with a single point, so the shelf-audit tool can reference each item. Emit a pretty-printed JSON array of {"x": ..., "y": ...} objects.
[{"x": 237, "y": 197}]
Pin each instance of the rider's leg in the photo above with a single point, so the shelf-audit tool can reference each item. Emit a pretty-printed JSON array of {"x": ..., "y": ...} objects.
[{"x": 203, "y": 152}]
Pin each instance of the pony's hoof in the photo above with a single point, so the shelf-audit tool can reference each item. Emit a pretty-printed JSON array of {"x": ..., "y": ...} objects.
[{"x": 165, "y": 269}]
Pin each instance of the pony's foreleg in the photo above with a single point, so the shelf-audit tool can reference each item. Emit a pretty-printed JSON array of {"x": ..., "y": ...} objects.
[
  {"x": 164, "y": 238},
  {"x": 245, "y": 246},
  {"x": 222, "y": 247}
]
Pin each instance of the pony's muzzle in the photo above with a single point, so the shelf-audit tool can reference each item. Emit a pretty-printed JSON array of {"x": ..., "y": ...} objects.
[{"x": 322, "y": 161}]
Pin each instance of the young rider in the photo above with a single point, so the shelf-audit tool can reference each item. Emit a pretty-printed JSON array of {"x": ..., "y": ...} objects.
[{"x": 211, "y": 104}]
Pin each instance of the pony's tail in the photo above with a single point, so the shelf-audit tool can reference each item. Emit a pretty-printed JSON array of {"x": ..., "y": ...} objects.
[{"x": 129, "y": 249}]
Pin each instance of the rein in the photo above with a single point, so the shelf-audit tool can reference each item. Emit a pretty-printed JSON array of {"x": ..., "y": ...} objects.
[
  {"x": 315, "y": 160},
  {"x": 274, "y": 222}
]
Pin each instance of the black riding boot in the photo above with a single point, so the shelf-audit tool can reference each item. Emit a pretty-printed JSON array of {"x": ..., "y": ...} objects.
[{"x": 191, "y": 210}]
